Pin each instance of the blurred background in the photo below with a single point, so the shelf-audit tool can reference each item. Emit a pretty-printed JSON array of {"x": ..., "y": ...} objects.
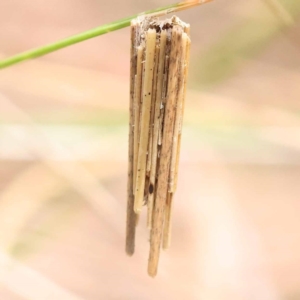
[{"x": 63, "y": 157}]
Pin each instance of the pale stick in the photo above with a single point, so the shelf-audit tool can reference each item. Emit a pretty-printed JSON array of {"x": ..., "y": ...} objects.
[
  {"x": 168, "y": 222},
  {"x": 154, "y": 88},
  {"x": 160, "y": 78},
  {"x": 137, "y": 110},
  {"x": 165, "y": 156},
  {"x": 179, "y": 110},
  {"x": 145, "y": 120},
  {"x": 187, "y": 61},
  {"x": 135, "y": 134},
  {"x": 164, "y": 87},
  {"x": 148, "y": 187},
  {"x": 131, "y": 216},
  {"x": 161, "y": 117},
  {"x": 175, "y": 146}
]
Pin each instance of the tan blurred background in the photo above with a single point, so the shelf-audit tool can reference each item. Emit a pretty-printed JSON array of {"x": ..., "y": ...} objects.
[{"x": 63, "y": 156}]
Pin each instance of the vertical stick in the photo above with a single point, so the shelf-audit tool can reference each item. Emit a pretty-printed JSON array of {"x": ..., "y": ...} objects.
[
  {"x": 160, "y": 77},
  {"x": 145, "y": 120},
  {"x": 167, "y": 222},
  {"x": 165, "y": 85},
  {"x": 178, "y": 113},
  {"x": 131, "y": 217},
  {"x": 165, "y": 156},
  {"x": 175, "y": 146},
  {"x": 154, "y": 89},
  {"x": 137, "y": 110},
  {"x": 187, "y": 60}
]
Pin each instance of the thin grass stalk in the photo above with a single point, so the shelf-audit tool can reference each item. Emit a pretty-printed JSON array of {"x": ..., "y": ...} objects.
[{"x": 37, "y": 52}]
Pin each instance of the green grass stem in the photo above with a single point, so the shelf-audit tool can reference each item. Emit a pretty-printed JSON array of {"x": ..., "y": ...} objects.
[{"x": 37, "y": 52}]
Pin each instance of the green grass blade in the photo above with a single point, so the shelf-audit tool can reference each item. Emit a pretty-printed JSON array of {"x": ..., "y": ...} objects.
[
  {"x": 95, "y": 32},
  {"x": 64, "y": 43}
]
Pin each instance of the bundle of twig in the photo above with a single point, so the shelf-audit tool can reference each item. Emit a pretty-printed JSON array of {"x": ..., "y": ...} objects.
[{"x": 159, "y": 65}]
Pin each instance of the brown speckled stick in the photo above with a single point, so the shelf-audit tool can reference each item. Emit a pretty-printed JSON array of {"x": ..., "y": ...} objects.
[
  {"x": 165, "y": 155},
  {"x": 145, "y": 119},
  {"x": 131, "y": 216},
  {"x": 186, "y": 70},
  {"x": 137, "y": 108},
  {"x": 176, "y": 144},
  {"x": 157, "y": 116},
  {"x": 153, "y": 100},
  {"x": 179, "y": 110},
  {"x": 167, "y": 222}
]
